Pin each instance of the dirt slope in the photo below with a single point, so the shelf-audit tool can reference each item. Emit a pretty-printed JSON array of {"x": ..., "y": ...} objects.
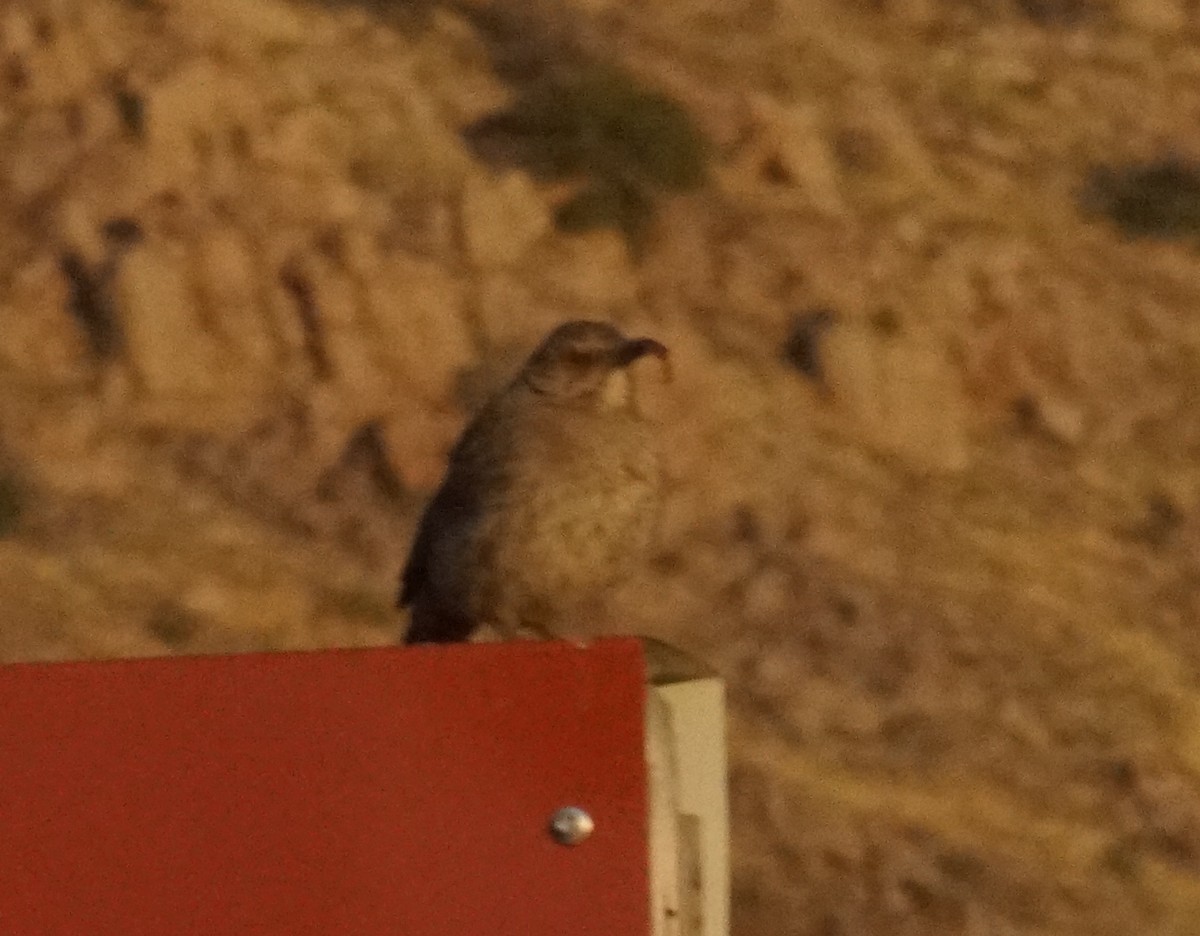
[{"x": 254, "y": 277}]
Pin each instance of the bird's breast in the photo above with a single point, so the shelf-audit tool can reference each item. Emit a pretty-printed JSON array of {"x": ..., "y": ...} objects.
[{"x": 583, "y": 510}]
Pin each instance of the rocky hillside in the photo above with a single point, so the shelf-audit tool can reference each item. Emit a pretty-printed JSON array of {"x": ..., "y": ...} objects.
[{"x": 932, "y": 434}]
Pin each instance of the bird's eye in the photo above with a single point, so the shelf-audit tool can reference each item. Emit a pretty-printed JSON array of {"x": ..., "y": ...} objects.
[{"x": 578, "y": 357}]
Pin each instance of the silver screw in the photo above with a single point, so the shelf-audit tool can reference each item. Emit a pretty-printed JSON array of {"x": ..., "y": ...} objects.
[{"x": 571, "y": 825}]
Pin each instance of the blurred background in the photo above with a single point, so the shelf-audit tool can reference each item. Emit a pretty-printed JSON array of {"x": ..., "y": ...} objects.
[{"x": 929, "y": 273}]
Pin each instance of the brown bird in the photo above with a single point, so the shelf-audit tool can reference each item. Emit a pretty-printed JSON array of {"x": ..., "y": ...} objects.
[{"x": 550, "y": 497}]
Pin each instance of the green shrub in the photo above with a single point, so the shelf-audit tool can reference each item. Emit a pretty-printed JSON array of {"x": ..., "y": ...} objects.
[
  {"x": 629, "y": 146},
  {"x": 1160, "y": 198}
]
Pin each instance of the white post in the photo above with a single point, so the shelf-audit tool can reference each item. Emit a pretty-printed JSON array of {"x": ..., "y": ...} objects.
[{"x": 689, "y": 846}]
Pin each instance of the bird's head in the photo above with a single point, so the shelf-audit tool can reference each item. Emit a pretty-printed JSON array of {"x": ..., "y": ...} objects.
[{"x": 586, "y": 363}]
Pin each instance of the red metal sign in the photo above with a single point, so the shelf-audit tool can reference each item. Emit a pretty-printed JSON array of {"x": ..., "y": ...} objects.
[{"x": 404, "y": 792}]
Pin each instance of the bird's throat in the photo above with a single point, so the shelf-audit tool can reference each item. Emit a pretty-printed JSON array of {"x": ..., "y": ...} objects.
[{"x": 617, "y": 393}]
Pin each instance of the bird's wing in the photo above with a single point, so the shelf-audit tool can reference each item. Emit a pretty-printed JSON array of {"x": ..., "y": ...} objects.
[
  {"x": 453, "y": 508},
  {"x": 477, "y": 467},
  {"x": 416, "y": 569}
]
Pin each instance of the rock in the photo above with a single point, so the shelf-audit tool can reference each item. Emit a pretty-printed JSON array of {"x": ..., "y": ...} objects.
[
  {"x": 1169, "y": 814},
  {"x": 269, "y": 609},
  {"x": 170, "y": 351},
  {"x": 18, "y": 35},
  {"x": 851, "y": 368},
  {"x": 175, "y": 111},
  {"x": 925, "y": 409},
  {"x": 282, "y": 311},
  {"x": 914, "y": 13},
  {"x": 263, "y": 21},
  {"x": 359, "y": 253},
  {"x": 40, "y": 153},
  {"x": 791, "y": 144},
  {"x": 510, "y": 314},
  {"x": 230, "y": 287},
  {"x": 769, "y": 595},
  {"x": 502, "y": 218},
  {"x": 107, "y": 33},
  {"x": 417, "y": 310},
  {"x": 79, "y": 231},
  {"x": 61, "y": 71},
  {"x": 281, "y": 198},
  {"x": 1153, "y": 16},
  {"x": 331, "y": 418},
  {"x": 416, "y": 441},
  {"x": 904, "y": 391},
  {"x": 341, "y": 325},
  {"x": 197, "y": 108},
  {"x": 343, "y": 202},
  {"x": 54, "y": 64},
  {"x": 1063, "y": 419},
  {"x": 893, "y": 146},
  {"x": 680, "y": 264},
  {"x": 412, "y": 147},
  {"x": 40, "y": 337},
  {"x": 592, "y": 270},
  {"x": 453, "y": 64},
  {"x": 309, "y": 140}
]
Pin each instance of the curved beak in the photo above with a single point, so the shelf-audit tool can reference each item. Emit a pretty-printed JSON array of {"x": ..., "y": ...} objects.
[{"x": 638, "y": 348}]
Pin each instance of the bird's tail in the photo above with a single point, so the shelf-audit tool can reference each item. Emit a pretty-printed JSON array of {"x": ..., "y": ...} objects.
[{"x": 429, "y": 625}]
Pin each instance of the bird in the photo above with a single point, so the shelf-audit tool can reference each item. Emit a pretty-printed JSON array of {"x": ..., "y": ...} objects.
[{"x": 550, "y": 497}]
